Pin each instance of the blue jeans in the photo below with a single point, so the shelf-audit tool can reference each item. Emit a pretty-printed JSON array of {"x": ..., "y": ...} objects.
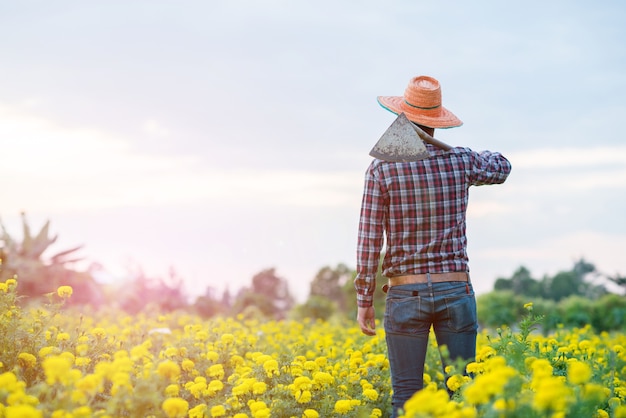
[{"x": 411, "y": 309}]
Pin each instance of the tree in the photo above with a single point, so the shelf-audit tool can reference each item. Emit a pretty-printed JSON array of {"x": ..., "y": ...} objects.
[
  {"x": 269, "y": 294},
  {"x": 573, "y": 283},
  {"x": 328, "y": 283},
  {"x": 37, "y": 275},
  {"x": 142, "y": 292},
  {"x": 521, "y": 283}
]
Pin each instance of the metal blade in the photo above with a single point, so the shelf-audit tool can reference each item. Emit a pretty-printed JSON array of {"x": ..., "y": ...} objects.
[{"x": 400, "y": 143}]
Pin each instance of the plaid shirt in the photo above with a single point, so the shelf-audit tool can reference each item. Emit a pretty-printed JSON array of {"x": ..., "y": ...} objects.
[{"x": 419, "y": 208}]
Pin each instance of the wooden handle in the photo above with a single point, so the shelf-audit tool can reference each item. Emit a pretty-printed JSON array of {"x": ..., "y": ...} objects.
[{"x": 432, "y": 141}]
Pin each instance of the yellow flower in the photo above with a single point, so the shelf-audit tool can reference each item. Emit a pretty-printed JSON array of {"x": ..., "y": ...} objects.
[
  {"x": 271, "y": 368},
  {"x": 259, "y": 388},
  {"x": 304, "y": 397},
  {"x": 22, "y": 411},
  {"x": 259, "y": 409},
  {"x": 172, "y": 390},
  {"x": 175, "y": 407},
  {"x": 429, "y": 402},
  {"x": 188, "y": 365},
  {"x": 528, "y": 306},
  {"x": 198, "y": 411},
  {"x": 371, "y": 394},
  {"x": 323, "y": 378},
  {"x": 343, "y": 406},
  {"x": 99, "y": 333},
  {"x": 218, "y": 411},
  {"x": 551, "y": 394},
  {"x": 63, "y": 336},
  {"x": 578, "y": 372},
  {"x": 216, "y": 371},
  {"x": 214, "y": 387},
  {"x": 57, "y": 369},
  {"x": 90, "y": 384},
  {"x": 310, "y": 413},
  {"x": 26, "y": 360},
  {"x": 227, "y": 339},
  {"x": 65, "y": 291},
  {"x": 455, "y": 382},
  {"x": 169, "y": 370}
]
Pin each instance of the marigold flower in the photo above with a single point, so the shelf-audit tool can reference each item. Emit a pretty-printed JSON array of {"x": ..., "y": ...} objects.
[
  {"x": 214, "y": 387},
  {"x": 343, "y": 406},
  {"x": 65, "y": 291},
  {"x": 578, "y": 372},
  {"x": 198, "y": 411},
  {"x": 22, "y": 411},
  {"x": 57, "y": 369},
  {"x": 26, "y": 360},
  {"x": 212, "y": 356},
  {"x": 259, "y": 388},
  {"x": 371, "y": 394},
  {"x": 304, "y": 396},
  {"x": 63, "y": 336},
  {"x": 99, "y": 333},
  {"x": 175, "y": 407},
  {"x": 271, "y": 367},
  {"x": 188, "y": 365},
  {"x": 89, "y": 384},
  {"x": 310, "y": 413},
  {"x": 218, "y": 411},
  {"x": 169, "y": 370},
  {"x": 172, "y": 390},
  {"x": 551, "y": 394},
  {"x": 259, "y": 409},
  {"x": 216, "y": 371},
  {"x": 227, "y": 338},
  {"x": 323, "y": 378}
]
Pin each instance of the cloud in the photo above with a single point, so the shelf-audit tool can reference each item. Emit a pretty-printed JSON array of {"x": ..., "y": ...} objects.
[
  {"x": 562, "y": 157},
  {"x": 67, "y": 169},
  {"x": 153, "y": 127}
]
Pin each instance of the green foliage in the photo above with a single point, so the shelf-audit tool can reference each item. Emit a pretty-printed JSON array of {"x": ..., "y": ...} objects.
[
  {"x": 498, "y": 308},
  {"x": 560, "y": 286},
  {"x": 315, "y": 307},
  {"x": 269, "y": 294},
  {"x": 501, "y": 308}
]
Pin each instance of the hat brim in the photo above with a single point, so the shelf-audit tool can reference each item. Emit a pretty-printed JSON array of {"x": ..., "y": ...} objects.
[{"x": 441, "y": 118}]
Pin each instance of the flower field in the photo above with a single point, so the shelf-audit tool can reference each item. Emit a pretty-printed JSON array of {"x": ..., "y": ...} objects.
[{"x": 62, "y": 363}]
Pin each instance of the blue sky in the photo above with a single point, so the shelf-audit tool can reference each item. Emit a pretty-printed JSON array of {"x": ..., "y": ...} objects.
[{"x": 221, "y": 138}]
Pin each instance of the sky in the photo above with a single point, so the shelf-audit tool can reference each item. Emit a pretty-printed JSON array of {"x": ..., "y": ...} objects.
[{"x": 222, "y": 138}]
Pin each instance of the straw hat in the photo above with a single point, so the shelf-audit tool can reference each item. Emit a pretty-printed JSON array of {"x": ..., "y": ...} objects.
[{"x": 421, "y": 104}]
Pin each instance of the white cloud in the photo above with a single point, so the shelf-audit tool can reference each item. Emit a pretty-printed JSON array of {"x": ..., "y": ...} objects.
[
  {"x": 551, "y": 158},
  {"x": 55, "y": 168},
  {"x": 153, "y": 127}
]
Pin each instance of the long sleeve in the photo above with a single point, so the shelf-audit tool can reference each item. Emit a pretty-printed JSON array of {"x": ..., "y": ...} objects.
[
  {"x": 489, "y": 168},
  {"x": 370, "y": 238}
]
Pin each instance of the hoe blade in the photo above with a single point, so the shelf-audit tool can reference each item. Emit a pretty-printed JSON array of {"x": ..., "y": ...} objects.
[{"x": 400, "y": 143}]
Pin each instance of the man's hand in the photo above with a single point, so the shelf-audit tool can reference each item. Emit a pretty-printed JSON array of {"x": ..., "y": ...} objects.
[{"x": 366, "y": 319}]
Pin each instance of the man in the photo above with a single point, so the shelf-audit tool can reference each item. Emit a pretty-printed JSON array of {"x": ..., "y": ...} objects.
[{"x": 419, "y": 208}]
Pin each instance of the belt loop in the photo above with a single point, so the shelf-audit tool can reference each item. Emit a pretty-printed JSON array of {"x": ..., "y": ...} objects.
[{"x": 430, "y": 282}]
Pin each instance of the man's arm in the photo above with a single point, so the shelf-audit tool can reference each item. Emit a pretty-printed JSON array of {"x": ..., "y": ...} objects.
[
  {"x": 489, "y": 168},
  {"x": 370, "y": 241}
]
